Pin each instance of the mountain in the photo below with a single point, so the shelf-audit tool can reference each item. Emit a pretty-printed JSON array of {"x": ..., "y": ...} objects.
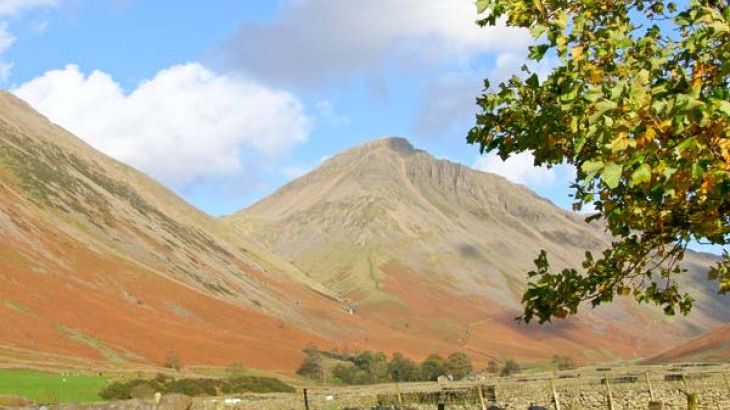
[
  {"x": 439, "y": 250},
  {"x": 382, "y": 247},
  {"x": 711, "y": 346},
  {"x": 99, "y": 262}
]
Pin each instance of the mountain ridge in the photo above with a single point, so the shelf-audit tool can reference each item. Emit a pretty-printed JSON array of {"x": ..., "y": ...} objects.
[
  {"x": 386, "y": 210},
  {"x": 381, "y": 247}
]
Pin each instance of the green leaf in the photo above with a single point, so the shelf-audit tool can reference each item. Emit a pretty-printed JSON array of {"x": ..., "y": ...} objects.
[
  {"x": 537, "y": 52},
  {"x": 591, "y": 168},
  {"x": 611, "y": 174},
  {"x": 593, "y": 94},
  {"x": 641, "y": 175},
  {"x": 722, "y": 106}
]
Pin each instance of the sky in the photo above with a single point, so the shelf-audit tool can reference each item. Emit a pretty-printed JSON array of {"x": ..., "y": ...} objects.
[{"x": 225, "y": 101}]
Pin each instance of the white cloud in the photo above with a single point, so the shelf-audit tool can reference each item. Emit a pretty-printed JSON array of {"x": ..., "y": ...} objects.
[
  {"x": 520, "y": 168},
  {"x": 311, "y": 42},
  {"x": 14, "y": 7},
  {"x": 185, "y": 124}
]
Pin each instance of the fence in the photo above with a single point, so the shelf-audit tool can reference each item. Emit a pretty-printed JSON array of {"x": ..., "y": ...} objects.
[{"x": 567, "y": 391}]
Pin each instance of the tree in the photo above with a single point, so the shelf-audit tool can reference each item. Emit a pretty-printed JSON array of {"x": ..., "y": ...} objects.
[
  {"x": 638, "y": 102},
  {"x": 402, "y": 369},
  {"x": 563, "y": 362},
  {"x": 312, "y": 366},
  {"x": 433, "y": 367},
  {"x": 350, "y": 374},
  {"x": 173, "y": 361},
  {"x": 492, "y": 367},
  {"x": 510, "y": 367},
  {"x": 459, "y": 365}
]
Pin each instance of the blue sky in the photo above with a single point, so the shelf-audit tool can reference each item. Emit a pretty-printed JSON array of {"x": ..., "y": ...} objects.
[
  {"x": 310, "y": 78},
  {"x": 224, "y": 101}
]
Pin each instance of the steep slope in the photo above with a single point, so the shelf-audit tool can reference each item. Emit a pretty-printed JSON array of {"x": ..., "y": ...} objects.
[
  {"x": 440, "y": 251},
  {"x": 100, "y": 262},
  {"x": 711, "y": 346}
]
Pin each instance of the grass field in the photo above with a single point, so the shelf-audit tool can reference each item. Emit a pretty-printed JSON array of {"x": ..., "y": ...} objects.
[{"x": 51, "y": 388}]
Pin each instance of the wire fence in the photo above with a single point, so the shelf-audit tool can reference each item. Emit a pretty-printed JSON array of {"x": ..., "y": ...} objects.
[{"x": 566, "y": 391}]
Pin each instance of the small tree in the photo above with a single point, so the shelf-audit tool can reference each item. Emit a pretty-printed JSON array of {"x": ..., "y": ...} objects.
[
  {"x": 563, "y": 362},
  {"x": 402, "y": 369},
  {"x": 510, "y": 367},
  {"x": 312, "y": 367},
  {"x": 459, "y": 365},
  {"x": 173, "y": 361},
  {"x": 492, "y": 367},
  {"x": 433, "y": 367}
]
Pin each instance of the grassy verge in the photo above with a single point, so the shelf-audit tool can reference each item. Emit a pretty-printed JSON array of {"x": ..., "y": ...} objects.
[{"x": 51, "y": 388}]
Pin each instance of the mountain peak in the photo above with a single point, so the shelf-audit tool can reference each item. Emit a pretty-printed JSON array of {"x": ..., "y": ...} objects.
[{"x": 398, "y": 144}]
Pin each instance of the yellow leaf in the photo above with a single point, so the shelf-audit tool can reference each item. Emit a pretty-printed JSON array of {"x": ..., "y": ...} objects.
[
  {"x": 647, "y": 137},
  {"x": 620, "y": 143},
  {"x": 577, "y": 53}
]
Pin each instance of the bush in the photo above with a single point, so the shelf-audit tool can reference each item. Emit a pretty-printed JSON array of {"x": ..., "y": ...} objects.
[
  {"x": 173, "y": 361},
  {"x": 510, "y": 367},
  {"x": 311, "y": 367},
  {"x": 563, "y": 362},
  {"x": 194, "y": 387},
  {"x": 350, "y": 374},
  {"x": 253, "y": 384},
  {"x": 142, "y": 391},
  {"x": 492, "y": 367}
]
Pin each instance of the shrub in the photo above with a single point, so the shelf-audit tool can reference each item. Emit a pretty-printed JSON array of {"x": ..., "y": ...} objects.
[
  {"x": 492, "y": 367},
  {"x": 143, "y": 391},
  {"x": 510, "y": 367},
  {"x": 173, "y": 361},
  {"x": 193, "y": 387},
  {"x": 253, "y": 384},
  {"x": 311, "y": 367},
  {"x": 563, "y": 362}
]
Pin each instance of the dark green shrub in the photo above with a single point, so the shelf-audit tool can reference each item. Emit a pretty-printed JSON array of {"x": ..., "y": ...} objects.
[
  {"x": 193, "y": 387},
  {"x": 141, "y": 388},
  {"x": 253, "y": 384}
]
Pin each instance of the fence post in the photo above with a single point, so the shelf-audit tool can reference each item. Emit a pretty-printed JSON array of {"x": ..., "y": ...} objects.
[
  {"x": 555, "y": 394},
  {"x": 727, "y": 383},
  {"x": 442, "y": 401},
  {"x": 397, "y": 392},
  {"x": 648, "y": 382},
  {"x": 610, "y": 395},
  {"x": 306, "y": 400},
  {"x": 692, "y": 399},
  {"x": 480, "y": 392}
]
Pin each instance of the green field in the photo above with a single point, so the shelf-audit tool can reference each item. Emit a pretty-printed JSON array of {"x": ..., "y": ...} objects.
[{"x": 51, "y": 388}]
